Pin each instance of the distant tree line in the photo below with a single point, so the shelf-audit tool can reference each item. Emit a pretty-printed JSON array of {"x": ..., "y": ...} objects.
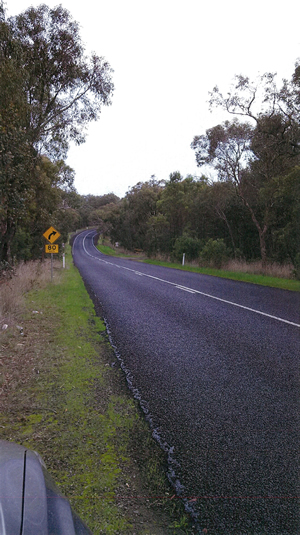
[
  {"x": 203, "y": 218},
  {"x": 251, "y": 209}
]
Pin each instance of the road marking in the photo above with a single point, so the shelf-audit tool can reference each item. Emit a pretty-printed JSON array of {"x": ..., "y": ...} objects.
[
  {"x": 191, "y": 290},
  {"x": 186, "y": 289}
]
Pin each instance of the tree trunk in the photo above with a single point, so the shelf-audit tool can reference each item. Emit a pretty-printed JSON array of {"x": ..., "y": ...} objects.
[
  {"x": 262, "y": 242},
  {"x": 261, "y": 232},
  {"x": 5, "y": 244},
  {"x": 222, "y": 215}
]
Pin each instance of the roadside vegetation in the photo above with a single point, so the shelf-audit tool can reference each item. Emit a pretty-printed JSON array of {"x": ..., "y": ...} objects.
[
  {"x": 63, "y": 394},
  {"x": 274, "y": 275}
]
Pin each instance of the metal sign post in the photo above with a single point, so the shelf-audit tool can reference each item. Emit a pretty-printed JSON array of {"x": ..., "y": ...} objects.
[{"x": 51, "y": 236}]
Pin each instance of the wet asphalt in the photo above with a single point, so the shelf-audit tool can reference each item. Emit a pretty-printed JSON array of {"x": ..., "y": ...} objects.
[{"x": 219, "y": 380}]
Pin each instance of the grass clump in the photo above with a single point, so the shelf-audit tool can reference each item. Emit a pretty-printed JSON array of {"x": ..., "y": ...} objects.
[{"x": 15, "y": 283}]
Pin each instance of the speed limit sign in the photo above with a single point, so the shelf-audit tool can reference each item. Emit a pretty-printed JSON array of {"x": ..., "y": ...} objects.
[{"x": 51, "y": 248}]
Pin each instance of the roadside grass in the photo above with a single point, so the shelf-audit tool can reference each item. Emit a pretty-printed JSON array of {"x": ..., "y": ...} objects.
[
  {"x": 239, "y": 271},
  {"x": 14, "y": 286},
  {"x": 120, "y": 252},
  {"x": 106, "y": 249},
  {"x": 264, "y": 280},
  {"x": 64, "y": 395}
]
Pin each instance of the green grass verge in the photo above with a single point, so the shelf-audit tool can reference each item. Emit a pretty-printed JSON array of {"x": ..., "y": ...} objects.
[
  {"x": 75, "y": 409},
  {"x": 263, "y": 280},
  {"x": 106, "y": 249}
]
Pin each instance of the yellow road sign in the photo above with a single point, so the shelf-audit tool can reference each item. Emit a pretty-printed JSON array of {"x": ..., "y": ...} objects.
[
  {"x": 49, "y": 248},
  {"x": 51, "y": 235}
]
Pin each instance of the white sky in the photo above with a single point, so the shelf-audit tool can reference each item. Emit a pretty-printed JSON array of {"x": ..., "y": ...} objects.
[{"x": 167, "y": 55}]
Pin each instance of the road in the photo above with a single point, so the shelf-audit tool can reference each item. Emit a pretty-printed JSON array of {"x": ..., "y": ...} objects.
[{"x": 214, "y": 364}]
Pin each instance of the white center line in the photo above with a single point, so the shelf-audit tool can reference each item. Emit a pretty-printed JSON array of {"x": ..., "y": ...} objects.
[
  {"x": 191, "y": 290},
  {"x": 185, "y": 289}
]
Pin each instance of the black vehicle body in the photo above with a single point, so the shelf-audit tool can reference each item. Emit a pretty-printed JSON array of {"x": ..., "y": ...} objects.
[{"x": 30, "y": 502}]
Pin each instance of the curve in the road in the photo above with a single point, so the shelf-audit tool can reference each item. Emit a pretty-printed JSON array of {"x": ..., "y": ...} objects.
[{"x": 215, "y": 365}]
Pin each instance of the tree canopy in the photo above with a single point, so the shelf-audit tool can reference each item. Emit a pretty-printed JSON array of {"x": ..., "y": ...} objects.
[
  {"x": 50, "y": 90},
  {"x": 254, "y": 155}
]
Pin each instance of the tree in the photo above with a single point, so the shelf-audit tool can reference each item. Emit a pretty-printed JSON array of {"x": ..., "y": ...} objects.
[
  {"x": 286, "y": 222},
  {"x": 130, "y": 221},
  {"x": 158, "y": 234},
  {"x": 253, "y": 156},
  {"x": 44, "y": 206},
  {"x": 228, "y": 147},
  {"x": 16, "y": 154},
  {"x": 65, "y": 90},
  {"x": 172, "y": 205},
  {"x": 49, "y": 92},
  {"x": 221, "y": 198}
]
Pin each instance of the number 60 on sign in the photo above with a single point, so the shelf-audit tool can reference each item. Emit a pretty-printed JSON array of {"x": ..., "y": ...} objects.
[{"x": 51, "y": 248}]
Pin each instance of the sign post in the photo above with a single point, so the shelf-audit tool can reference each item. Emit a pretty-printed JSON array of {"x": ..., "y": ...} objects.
[{"x": 51, "y": 236}]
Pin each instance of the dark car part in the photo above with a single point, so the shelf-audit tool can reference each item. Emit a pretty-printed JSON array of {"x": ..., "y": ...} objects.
[{"x": 30, "y": 502}]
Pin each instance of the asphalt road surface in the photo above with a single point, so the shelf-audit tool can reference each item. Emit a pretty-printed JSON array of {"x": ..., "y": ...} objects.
[{"x": 214, "y": 364}]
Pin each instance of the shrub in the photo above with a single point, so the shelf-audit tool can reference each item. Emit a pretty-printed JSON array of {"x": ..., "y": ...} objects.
[
  {"x": 215, "y": 253},
  {"x": 188, "y": 245},
  {"x": 296, "y": 271}
]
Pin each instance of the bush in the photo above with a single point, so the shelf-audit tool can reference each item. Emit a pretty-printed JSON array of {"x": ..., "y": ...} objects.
[
  {"x": 22, "y": 244},
  {"x": 188, "y": 245},
  {"x": 215, "y": 253},
  {"x": 296, "y": 271}
]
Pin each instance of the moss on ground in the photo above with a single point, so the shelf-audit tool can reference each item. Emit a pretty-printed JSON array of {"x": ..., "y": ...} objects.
[{"x": 65, "y": 396}]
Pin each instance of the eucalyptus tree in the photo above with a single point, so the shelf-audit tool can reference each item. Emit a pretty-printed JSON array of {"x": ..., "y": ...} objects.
[
  {"x": 16, "y": 152},
  {"x": 65, "y": 89},
  {"x": 252, "y": 155},
  {"x": 50, "y": 91}
]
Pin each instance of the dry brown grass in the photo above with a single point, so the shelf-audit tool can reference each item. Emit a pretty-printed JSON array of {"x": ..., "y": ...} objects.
[
  {"x": 272, "y": 269},
  {"x": 26, "y": 276}
]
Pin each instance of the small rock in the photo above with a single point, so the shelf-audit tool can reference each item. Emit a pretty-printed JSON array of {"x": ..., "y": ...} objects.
[
  {"x": 4, "y": 327},
  {"x": 35, "y": 312}
]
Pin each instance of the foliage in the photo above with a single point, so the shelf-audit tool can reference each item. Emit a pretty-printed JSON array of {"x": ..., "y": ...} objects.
[
  {"x": 215, "y": 253},
  {"x": 251, "y": 207},
  {"x": 186, "y": 245},
  {"x": 297, "y": 266},
  {"x": 254, "y": 158},
  {"x": 49, "y": 91},
  {"x": 65, "y": 90}
]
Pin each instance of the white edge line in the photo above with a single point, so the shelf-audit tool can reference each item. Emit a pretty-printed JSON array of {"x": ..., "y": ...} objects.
[{"x": 191, "y": 290}]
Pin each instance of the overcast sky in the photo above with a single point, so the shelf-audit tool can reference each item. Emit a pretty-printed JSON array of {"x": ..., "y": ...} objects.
[{"x": 167, "y": 55}]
